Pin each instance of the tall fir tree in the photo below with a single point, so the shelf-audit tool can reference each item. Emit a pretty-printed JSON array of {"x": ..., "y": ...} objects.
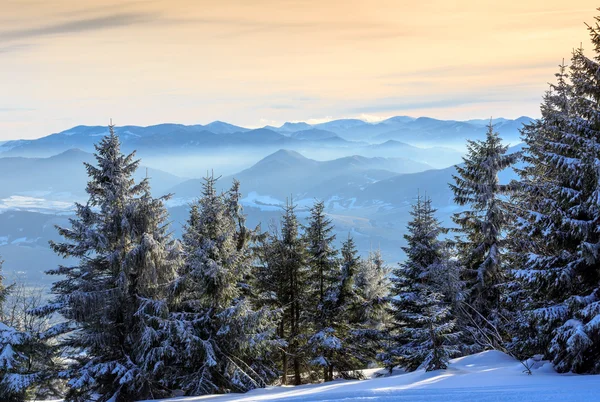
[
  {"x": 221, "y": 342},
  {"x": 423, "y": 332},
  {"x": 539, "y": 241},
  {"x": 481, "y": 242},
  {"x": 335, "y": 346},
  {"x": 124, "y": 257},
  {"x": 558, "y": 229},
  {"x": 323, "y": 274}
]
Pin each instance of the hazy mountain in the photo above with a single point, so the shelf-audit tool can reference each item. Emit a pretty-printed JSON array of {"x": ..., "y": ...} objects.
[
  {"x": 435, "y": 156},
  {"x": 179, "y": 138},
  {"x": 423, "y": 130},
  {"x": 313, "y": 134},
  {"x": 62, "y": 176},
  {"x": 428, "y": 131},
  {"x": 220, "y": 127},
  {"x": 364, "y": 197},
  {"x": 287, "y": 172},
  {"x": 24, "y": 246}
]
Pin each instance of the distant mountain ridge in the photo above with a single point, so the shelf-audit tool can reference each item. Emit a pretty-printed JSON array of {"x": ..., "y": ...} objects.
[
  {"x": 287, "y": 172},
  {"x": 63, "y": 176},
  {"x": 422, "y": 131}
]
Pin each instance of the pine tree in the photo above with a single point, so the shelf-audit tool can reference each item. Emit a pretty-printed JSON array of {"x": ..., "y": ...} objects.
[
  {"x": 13, "y": 384},
  {"x": 373, "y": 287},
  {"x": 221, "y": 342},
  {"x": 282, "y": 281},
  {"x": 423, "y": 331},
  {"x": 323, "y": 263},
  {"x": 124, "y": 259},
  {"x": 538, "y": 239},
  {"x": 481, "y": 227},
  {"x": 558, "y": 228},
  {"x": 26, "y": 355}
]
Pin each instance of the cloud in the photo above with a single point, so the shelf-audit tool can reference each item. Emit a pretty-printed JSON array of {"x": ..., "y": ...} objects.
[
  {"x": 474, "y": 69},
  {"x": 435, "y": 101},
  {"x": 15, "y": 48},
  {"x": 78, "y": 25},
  {"x": 356, "y": 30}
]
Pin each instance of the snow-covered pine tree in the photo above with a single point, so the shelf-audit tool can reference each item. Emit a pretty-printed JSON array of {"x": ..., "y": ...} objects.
[
  {"x": 423, "y": 332},
  {"x": 13, "y": 385},
  {"x": 123, "y": 257},
  {"x": 27, "y": 357},
  {"x": 322, "y": 253},
  {"x": 559, "y": 228},
  {"x": 14, "y": 382},
  {"x": 360, "y": 342},
  {"x": 481, "y": 227},
  {"x": 151, "y": 266},
  {"x": 221, "y": 342},
  {"x": 282, "y": 281},
  {"x": 373, "y": 288},
  {"x": 539, "y": 244},
  {"x": 323, "y": 274}
]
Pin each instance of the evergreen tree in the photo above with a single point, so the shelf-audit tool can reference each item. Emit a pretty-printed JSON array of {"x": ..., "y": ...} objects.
[
  {"x": 13, "y": 384},
  {"x": 124, "y": 259},
  {"x": 482, "y": 226},
  {"x": 329, "y": 346},
  {"x": 323, "y": 274},
  {"x": 558, "y": 232},
  {"x": 282, "y": 281},
  {"x": 373, "y": 287},
  {"x": 26, "y": 354},
  {"x": 221, "y": 342},
  {"x": 538, "y": 239},
  {"x": 423, "y": 331}
]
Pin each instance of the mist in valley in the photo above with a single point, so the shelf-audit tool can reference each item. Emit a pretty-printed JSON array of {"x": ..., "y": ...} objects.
[{"x": 368, "y": 174}]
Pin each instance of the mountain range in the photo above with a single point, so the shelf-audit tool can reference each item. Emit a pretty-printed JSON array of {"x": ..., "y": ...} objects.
[{"x": 367, "y": 174}]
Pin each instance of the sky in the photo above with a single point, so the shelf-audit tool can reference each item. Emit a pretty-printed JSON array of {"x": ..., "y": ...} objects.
[{"x": 256, "y": 62}]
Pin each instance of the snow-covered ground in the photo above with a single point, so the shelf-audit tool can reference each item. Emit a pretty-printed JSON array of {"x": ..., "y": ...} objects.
[{"x": 488, "y": 376}]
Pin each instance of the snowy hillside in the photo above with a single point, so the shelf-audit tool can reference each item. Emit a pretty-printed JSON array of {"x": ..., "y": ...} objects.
[{"x": 487, "y": 376}]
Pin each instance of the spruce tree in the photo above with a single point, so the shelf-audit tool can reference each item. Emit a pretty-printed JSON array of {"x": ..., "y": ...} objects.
[
  {"x": 27, "y": 357},
  {"x": 323, "y": 274},
  {"x": 538, "y": 239},
  {"x": 558, "y": 228},
  {"x": 423, "y": 331},
  {"x": 282, "y": 281},
  {"x": 482, "y": 227},
  {"x": 331, "y": 347},
  {"x": 373, "y": 288},
  {"x": 13, "y": 384},
  {"x": 221, "y": 342},
  {"x": 124, "y": 260}
]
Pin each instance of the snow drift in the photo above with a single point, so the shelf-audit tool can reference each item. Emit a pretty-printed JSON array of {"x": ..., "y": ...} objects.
[{"x": 487, "y": 376}]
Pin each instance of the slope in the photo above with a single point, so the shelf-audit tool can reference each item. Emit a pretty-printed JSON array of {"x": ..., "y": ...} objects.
[{"x": 488, "y": 376}]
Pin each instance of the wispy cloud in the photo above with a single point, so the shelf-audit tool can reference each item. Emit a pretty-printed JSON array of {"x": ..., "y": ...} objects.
[
  {"x": 15, "y": 48},
  {"x": 491, "y": 95},
  {"x": 78, "y": 26}
]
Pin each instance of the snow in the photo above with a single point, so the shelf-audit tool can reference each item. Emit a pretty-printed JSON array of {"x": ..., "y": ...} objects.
[
  {"x": 488, "y": 376},
  {"x": 34, "y": 204}
]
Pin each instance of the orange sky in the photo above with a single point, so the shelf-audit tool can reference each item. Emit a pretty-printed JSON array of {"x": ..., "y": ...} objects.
[{"x": 258, "y": 62}]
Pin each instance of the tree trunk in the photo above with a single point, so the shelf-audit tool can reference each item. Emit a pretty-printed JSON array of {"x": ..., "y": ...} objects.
[{"x": 284, "y": 357}]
